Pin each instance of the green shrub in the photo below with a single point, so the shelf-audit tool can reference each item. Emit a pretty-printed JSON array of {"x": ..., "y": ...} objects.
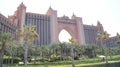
[
  {"x": 59, "y": 58},
  {"x": 9, "y": 60},
  {"x": 76, "y": 58},
  {"x": 115, "y": 64}
]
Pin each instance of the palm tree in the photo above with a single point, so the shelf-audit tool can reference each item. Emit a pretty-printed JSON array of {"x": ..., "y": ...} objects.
[
  {"x": 80, "y": 49},
  {"x": 91, "y": 50},
  {"x": 110, "y": 52},
  {"x": 4, "y": 39},
  {"x": 72, "y": 43},
  {"x": 11, "y": 50},
  {"x": 20, "y": 50},
  {"x": 43, "y": 49},
  {"x": 118, "y": 42},
  {"x": 103, "y": 36},
  {"x": 28, "y": 34},
  {"x": 33, "y": 50},
  {"x": 118, "y": 38},
  {"x": 63, "y": 48},
  {"x": 53, "y": 50}
]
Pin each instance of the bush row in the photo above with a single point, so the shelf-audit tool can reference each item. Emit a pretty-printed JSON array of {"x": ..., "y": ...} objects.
[
  {"x": 115, "y": 64},
  {"x": 10, "y": 60}
]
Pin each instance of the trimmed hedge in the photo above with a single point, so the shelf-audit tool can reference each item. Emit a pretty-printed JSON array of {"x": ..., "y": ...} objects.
[
  {"x": 9, "y": 60},
  {"x": 114, "y": 64}
]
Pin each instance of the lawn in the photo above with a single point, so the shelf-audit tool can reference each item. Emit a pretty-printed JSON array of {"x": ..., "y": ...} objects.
[{"x": 78, "y": 63}]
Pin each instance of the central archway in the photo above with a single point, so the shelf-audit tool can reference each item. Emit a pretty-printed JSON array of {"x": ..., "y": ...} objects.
[
  {"x": 64, "y": 36},
  {"x": 74, "y": 26},
  {"x": 71, "y": 28}
]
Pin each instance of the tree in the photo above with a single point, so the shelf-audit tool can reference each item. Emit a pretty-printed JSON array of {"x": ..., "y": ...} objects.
[
  {"x": 63, "y": 48},
  {"x": 118, "y": 43},
  {"x": 11, "y": 49},
  {"x": 91, "y": 50},
  {"x": 33, "y": 50},
  {"x": 103, "y": 36},
  {"x": 100, "y": 50},
  {"x": 80, "y": 49},
  {"x": 53, "y": 50},
  {"x": 20, "y": 51},
  {"x": 4, "y": 39},
  {"x": 14, "y": 48},
  {"x": 43, "y": 50},
  {"x": 72, "y": 43},
  {"x": 110, "y": 52},
  {"x": 28, "y": 34},
  {"x": 118, "y": 38}
]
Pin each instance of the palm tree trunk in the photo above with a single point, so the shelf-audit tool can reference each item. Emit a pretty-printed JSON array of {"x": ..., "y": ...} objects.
[
  {"x": 61, "y": 54},
  {"x": 8, "y": 61},
  {"x": 42, "y": 56},
  {"x": 11, "y": 57},
  {"x": 72, "y": 53},
  {"x": 25, "y": 54},
  {"x": 2, "y": 54},
  {"x": 105, "y": 51},
  {"x": 34, "y": 59}
]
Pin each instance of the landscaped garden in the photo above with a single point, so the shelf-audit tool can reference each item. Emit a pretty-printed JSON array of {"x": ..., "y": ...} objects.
[
  {"x": 87, "y": 62},
  {"x": 25, "y": 53}
]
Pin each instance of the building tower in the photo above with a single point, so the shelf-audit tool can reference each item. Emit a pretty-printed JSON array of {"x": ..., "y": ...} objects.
[
  {"x": 53, "y": 24},
  {"x": 99, "y": 27}
]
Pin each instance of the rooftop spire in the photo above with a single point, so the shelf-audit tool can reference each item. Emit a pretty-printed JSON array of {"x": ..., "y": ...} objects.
[
  {"x": 50, "y": 8},
  {"x": 73, "y": 14},
  {"x": 98, "y": 22},
  {"x": 21, "y": 3},
  {"x": 117, "y": 34}
]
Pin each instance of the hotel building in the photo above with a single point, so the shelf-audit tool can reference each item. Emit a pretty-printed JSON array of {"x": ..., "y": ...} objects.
[
  {"x": 7, "y": 26},
  {"x": 48, "y": 26}
]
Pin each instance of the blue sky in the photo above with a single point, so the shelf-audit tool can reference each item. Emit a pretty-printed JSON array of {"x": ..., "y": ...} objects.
[{"x": 106, "y": 11}]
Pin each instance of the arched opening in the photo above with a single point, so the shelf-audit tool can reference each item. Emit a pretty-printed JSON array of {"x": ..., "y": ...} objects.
[{"x": 64, "y": 36}]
